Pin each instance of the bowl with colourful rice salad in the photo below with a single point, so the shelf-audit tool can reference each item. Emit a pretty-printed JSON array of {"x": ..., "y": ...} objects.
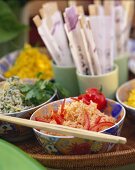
[
  {"x": 126, "y": 96},
  {"x": 78, "y": 113}
]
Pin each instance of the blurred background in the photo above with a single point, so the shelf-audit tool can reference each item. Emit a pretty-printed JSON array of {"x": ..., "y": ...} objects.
[{"x": 17, "y": 27}]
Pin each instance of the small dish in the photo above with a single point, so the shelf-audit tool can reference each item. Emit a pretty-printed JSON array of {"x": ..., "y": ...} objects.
[{"x": 122, "y": 95}]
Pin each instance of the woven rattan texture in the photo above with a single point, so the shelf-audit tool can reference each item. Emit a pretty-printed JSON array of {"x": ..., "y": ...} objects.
[{"x": 122, "y": 155}]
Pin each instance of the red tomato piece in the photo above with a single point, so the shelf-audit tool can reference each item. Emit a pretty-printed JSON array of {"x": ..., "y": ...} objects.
[
  {"x": 86, "y": 101},
  {"x": 97, "y": 97},
  {"x": 85, "y": 98},
  {"x": 92, "y": 90},
  {"x": 80, "y": 97}
]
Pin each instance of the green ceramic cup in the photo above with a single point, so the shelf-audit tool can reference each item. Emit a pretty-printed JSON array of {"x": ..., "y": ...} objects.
[
  {"x": 66, "y": 77},
  {"x": 108, "y": 82},
  {"x": 122, "y": 62}
]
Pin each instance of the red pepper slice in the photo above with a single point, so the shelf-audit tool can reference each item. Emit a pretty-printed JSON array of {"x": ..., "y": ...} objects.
[
  {"x": 98, "y": 119},
  {"x": 87, "y": 121},
  {"x": 74, "y": 99},
  {"x": 63, "y": 114},
  {"x": 59, "y": 120},
  {"x": 41, "y": 119},
  {"x": 62, "y": 106},
  {"x": 101, "y": 125}
]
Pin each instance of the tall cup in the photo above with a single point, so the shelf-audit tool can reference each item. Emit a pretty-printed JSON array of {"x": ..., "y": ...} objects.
[
  {"x": 66, "y": 77},
  {"x": 108, "y": 82},
  {"x": 122, "y": 62}
]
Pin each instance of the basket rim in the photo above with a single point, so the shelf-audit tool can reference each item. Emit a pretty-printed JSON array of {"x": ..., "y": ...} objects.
[{"x": 90, "y": 156}]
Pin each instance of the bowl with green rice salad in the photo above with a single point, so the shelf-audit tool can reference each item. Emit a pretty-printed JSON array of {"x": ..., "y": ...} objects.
[{"x": 20, "y": 98}]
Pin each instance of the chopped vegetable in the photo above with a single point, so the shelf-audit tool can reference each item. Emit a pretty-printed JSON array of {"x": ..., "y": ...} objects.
[
  {"x": 37, "y": 93},
  {"x": 87, "y": 121},
  {"x": 77, "y": 114},
  {"x": 29, "y": 63},
  {"x": 15, "y": 95},
  {"x": 131, "y": 98},
  {"x": 11, "y": 98},
  {"x": 93, "y": 94},
  {"x": 102, "y": 125}
]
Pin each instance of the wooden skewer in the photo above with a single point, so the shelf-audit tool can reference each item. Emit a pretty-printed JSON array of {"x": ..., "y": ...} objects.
[
  {"x": 41, "y": 12},
  {"x": 72, "y": 3},
  {"x": 49, "y": 9},
  {"x": 80, "y": 10},
  {"x": 65, "y": 130},
  {"x": 97, "y": 2},
  {"x": 129, "y": 8},
  {"x": 108, "y": 6},
  {"x": 37, "y": 21},
  {"x": 92, "y": 10}
]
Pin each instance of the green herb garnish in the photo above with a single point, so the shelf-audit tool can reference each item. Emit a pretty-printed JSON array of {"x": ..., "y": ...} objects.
[{"x": 39, "y": 92}]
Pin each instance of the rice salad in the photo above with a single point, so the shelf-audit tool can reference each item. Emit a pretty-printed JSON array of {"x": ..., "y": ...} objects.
[{"x": 11, "y": 98}]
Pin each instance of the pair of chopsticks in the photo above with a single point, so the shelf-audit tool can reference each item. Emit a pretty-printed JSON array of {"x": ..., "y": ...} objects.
[{"x": 97, "y": 136}]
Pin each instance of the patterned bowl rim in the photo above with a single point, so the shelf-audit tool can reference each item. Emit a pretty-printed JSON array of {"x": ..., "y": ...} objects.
[
  {"x": 110, "y": 100},
  {"x": 118, "y": 97}
]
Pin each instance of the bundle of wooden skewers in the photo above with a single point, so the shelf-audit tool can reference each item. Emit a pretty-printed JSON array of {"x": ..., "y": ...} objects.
[{"x": 89, "y": 42}]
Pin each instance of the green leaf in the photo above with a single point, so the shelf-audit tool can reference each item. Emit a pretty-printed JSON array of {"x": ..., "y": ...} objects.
[
  {"x": 10, "y": 28},
  {"x": 30, "y": 95},
  {"x": 25, "y": 88}
]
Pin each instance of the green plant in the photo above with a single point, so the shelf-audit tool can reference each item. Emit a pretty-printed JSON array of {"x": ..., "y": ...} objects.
[{"x": 10, "y": 28}]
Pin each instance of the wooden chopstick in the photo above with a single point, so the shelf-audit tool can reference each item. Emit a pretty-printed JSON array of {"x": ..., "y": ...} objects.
[
  {"x": 80, "y": 133},
  {"x": 41, "y": 12},
  {"x": 92, "y": 8},
  {"x": 80, "y": 10},
  {"x": 37, "y": 21}
]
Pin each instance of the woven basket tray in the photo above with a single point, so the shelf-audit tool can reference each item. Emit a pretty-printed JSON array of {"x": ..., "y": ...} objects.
[{"x": 122, "y": 155}]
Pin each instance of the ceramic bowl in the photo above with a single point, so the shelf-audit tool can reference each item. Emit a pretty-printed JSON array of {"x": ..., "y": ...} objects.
[
  {"x": 69, "y": 145},
  {"x": 122, "y": 95},
  {"x": 15, "y": 133}
]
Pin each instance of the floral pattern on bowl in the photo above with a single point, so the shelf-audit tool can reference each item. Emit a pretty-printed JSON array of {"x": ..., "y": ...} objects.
[{"x": 69, "y": 145}]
